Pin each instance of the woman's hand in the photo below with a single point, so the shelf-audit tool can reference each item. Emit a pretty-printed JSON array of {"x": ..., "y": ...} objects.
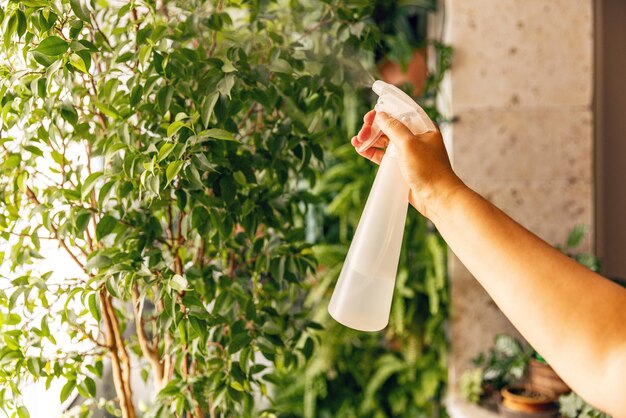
[{"x": 423, "y": 161}]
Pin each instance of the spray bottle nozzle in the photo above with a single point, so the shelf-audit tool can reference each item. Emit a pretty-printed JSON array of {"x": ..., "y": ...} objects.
[{"x": 398, "y": 104}]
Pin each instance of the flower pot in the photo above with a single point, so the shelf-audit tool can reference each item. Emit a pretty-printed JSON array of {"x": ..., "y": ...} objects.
[
  {"x": 521, "y": 402},
  {"x": 415, "y": 74},
  {"x": 543, "y": 378}
]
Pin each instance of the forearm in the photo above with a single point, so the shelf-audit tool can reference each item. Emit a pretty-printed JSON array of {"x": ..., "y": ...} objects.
[{"x": 575, "y": 318}]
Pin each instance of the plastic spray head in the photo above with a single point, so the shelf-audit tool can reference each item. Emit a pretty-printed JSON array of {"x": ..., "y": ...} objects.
[
  {"x": 364, "y": 290},
  {"x": 398, "y": 104}
]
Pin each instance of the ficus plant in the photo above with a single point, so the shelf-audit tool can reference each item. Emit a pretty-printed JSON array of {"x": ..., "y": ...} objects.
[{"x": 167, "y": 150}]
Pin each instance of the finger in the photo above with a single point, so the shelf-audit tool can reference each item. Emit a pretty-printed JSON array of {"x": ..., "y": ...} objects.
[
  {"x": 369, "y": 117},
  {"x": 365, "y": 133},
  {"x": 397, "y": 132},
  {"x": 373, "y": 154}
]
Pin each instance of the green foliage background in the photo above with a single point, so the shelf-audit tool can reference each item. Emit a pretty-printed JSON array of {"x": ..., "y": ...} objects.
[{"x": 192, "y": 158}]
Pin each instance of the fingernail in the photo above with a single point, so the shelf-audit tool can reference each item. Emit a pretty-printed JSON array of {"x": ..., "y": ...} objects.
[{"x": 383, "y": 114}]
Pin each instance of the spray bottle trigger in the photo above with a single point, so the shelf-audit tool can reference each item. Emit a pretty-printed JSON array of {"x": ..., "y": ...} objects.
[{"x": 374, "y": 135}]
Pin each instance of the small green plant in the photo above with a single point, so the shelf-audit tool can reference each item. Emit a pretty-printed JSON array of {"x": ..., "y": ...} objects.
[
  {"x": 573, "y": 406},
  {"x": 574, "y": 239},
  {"x": 504, "y": 364},
  {"x": 403, "y": 27},
  {"x": 471, "y": 385}
]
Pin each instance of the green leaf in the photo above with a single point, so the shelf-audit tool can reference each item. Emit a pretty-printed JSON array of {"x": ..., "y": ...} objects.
[
  {"x": 507, "y": 345},
  {"x": 89, "y": 184},
  {"x": 108, "y": 110},
  {"x": 164, "y": 97},
  {"x": 34, "y": 150},
  {"x": 98, "y": 261},
  {"x": 228, "y": 67},
  {"x": 46, "y": 22},
  {"x": 22, "y": 412},
  {"x": 218, "y": 134},
  {"x": 126, "y": 56},
  {"x": 175, "y": 127},
  {"x": 226, "y": 84},
  {"x": 35, "y": 3},
  {"x": 172, "y": 170},
  {"x": 281, "y": 66},
  {"x": 208, "y": 104},
  {"x": 82, "y": 221},
  {"x": 93, "y": 306},
  {"x": 77, "y": 62},
  {"x": 44, "y": 60},
  {"x": 91, "y": 386},
  {"x": 105, "y": 226},
  {"x": 307, "y": 350},
  {"x": 182, "y": 332},
  {"x": 67, "y": 389},
  {"x": 135, "y": 95},
  {"x": 104, "y": 191},
  {"x": 52, "y": 46},
  {"x": 12, "y": 162},
  {"x": 228, "y": 189},
  {"x": 576, "y": 236},
  {"x": 166, "y": 149},
  {"x": 10, "y": 29},
  {"x": 238, "y": 342},
  {"x": 236, "y": 385},
  {"x": 21, "y": 23},
  {"x": 69, "y": 113},
  {"x": 178, "y": 283},
  {"x": 80, "y": 10}
]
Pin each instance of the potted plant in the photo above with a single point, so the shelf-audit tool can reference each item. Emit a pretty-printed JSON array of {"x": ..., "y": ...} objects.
[
  {"x": 543, "y": 378},
  {"x": 520, "y": 402},
  {"x": 401, "y": 56},
  {"x": 504, "y": 364}
]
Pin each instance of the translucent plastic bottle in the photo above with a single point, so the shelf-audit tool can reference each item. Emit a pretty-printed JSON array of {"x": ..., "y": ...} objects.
[{"x": 364, "y": 291}]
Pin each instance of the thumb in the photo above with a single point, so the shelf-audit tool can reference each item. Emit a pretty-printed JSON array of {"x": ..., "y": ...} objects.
[{"x": 395, "y": 130}]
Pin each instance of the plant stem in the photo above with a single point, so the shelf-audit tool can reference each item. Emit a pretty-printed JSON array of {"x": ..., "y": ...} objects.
[
  {"x": 33, "y": 198},
  {"x": 126, "y": 405},
  {"x": 149, "y": 350},
  {"x": 218, "y": 9},
  {"x": 123, "y": 354}
]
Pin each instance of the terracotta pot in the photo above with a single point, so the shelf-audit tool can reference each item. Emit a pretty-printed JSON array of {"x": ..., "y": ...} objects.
[
  {"x": 520, "y": 402},
  {"x": 543, "y": 378},
  {"x": 415, "y": 74}
]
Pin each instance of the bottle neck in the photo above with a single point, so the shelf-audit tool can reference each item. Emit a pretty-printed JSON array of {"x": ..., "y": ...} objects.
[{"x": 391, "y": 151}]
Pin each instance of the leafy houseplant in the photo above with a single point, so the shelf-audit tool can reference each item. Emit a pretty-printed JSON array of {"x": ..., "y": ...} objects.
[
  {"x": 503, "y": 365},
  {"x": 574, "y": 240},
  {"x": 168, "y": 150},
  {"x": 401, "y": 56},
  {"x": 502, "y": 370},
  {"x": 524, "y": 401}
]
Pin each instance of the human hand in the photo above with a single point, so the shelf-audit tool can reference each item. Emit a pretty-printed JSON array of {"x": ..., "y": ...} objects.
[{"x": 423, "y": 160}]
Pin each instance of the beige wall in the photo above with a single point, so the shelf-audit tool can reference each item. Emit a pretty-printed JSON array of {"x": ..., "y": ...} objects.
[{"x": 521, "y": 88}]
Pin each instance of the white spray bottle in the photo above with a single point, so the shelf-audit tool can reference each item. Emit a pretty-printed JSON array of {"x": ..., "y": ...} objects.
[{"x": 364, "y": 291}]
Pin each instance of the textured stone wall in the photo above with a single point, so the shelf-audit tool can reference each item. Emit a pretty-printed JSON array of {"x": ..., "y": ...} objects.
[{"x": 521, "y": 89}]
